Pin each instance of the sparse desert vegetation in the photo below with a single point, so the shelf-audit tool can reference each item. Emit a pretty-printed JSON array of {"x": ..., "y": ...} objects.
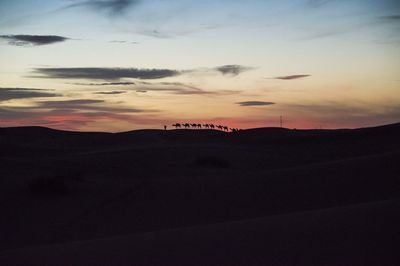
[
  {"x": 212, "y": 162},
  {"x": 50, "y": 186}
]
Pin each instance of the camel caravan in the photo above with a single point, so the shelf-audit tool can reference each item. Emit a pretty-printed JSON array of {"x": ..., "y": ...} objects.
[{"x": 205, "y": 126}]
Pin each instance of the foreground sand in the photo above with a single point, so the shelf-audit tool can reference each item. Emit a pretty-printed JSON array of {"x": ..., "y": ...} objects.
[
  {"x": 258, "y": 197},
  {"x": 362, "y": 234}
]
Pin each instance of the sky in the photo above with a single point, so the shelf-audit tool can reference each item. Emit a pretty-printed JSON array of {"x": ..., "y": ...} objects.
[{"x": 118, "y": 65}]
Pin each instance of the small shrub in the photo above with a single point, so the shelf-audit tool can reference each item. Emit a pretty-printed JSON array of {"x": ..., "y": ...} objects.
[
  {"x": 212, "y": 162},
  {"x": 47, "y": 186}
]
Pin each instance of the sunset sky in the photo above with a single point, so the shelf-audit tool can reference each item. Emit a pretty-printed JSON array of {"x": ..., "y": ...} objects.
[{"x": 117, "y": 65}]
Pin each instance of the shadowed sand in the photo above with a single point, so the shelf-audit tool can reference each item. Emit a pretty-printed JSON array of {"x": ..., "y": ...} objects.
[{"x": 265, "y": 196}]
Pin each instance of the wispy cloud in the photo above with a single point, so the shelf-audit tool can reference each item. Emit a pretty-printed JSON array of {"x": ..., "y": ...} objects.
[
  {"x": 325, "y": 33},
  {"x": 318, "y": 3},
  {"x": 167, "y": 32},
  {"x": 255, "y": 103},
  {"x": 60, "y": 118},
  {"x": 175, "y": 87},
  {"x": 127, "y": 42},
  {"x": 99, "y": 73},
  {"x": 85, "y": 105},
  {"x": 75, "y": 114},
  {"x": 69, "y": 103},
  {"x": 179, "y": 88},
  {"x": 24, "y": 93},
  {"x": 110, "y": 92},
  {"x": 292, "y": 77},
  {"x": 106, "y": 84},
  {"x": 104, "y": 73},
  {"x": 334, "y": 114},
  {"x": 32, "y": 40},
  {"x": 111, "y": 7},
  {"x": 391, "y": 17},
  {"x": 233, "y": 70}
]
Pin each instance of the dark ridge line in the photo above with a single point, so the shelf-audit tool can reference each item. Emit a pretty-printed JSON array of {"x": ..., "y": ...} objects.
[{"x": 195, "y": 130}]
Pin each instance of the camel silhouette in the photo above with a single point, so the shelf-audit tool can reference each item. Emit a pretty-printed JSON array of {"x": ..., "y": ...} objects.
[
  {"x": 176, "y": 125},
  {"x": 200, "y": 126}
]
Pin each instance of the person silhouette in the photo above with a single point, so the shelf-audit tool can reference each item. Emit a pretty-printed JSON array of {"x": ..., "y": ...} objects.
[{"x": 165, "y": 127}]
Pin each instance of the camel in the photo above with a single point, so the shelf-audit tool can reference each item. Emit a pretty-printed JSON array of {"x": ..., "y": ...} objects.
[
  {"x": 207, "y": 126},
  {"x": 176, "y": 125}
]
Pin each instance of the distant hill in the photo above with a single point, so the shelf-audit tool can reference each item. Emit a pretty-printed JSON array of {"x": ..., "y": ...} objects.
[{"x": 42, "y": 133}]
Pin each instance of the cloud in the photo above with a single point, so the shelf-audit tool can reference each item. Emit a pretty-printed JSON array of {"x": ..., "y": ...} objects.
[
  {"x": 24, "y": 93},
  {"x": 76, "y": 114},
  {"x": 72, "y": 114},
  {"x": 318, "y": 3},
  {"x": 326, "y": 33},
  {"x": 172, "y": 87},
  {"x": 173, "y": 32},
  {"x": 32, "y": 40},
  {"x": 105, "y": 73},
  {"x": 106, "y": 84},
  {"x": 334, "y": 114},
  {"x": 85, "y": 105},
  {"x": 99, "y": 73},
  {"x": 15, "y": 113},
  {"x": 112, "y": 7},
  {"x": 292, "y": 77},
  {"x": 179, "y": 88},
  {"x": 128, "y": 42},
  {"x": 69, "y": 103},
  {"x": 390, "y": 18},
  {"x": 58, "y": 118},
  {"x": 110, "y": 92},
  {"x": 233, "y": 70},
  {"x": 255, "y": 103},
  {"x": 70, "y": 106}
]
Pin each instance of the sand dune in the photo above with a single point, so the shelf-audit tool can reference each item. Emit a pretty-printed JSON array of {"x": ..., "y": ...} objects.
[
  {"x": 363, "y": 234},
  {"x": 200, "y": 197}
]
